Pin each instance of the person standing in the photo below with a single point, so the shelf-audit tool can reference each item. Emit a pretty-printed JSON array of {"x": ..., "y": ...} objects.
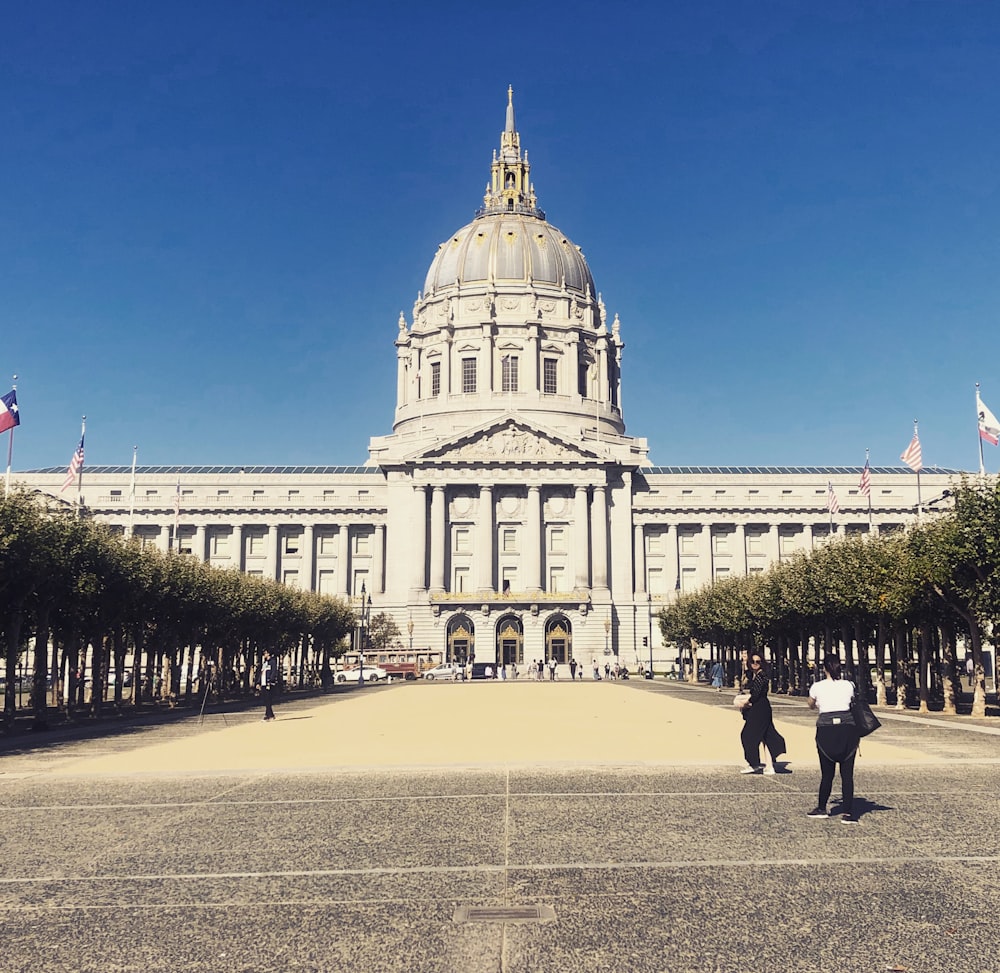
[
  {"x": 572, "y": 670},
  {"x": 837, "y": 738},
  {"x": 758, "y": 726},
  {"x": 267, "y": 681},
  {"x": 718, "y": 673}
]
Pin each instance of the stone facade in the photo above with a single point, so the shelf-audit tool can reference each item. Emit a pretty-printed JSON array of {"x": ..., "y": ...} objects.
[{"x": 507, "y": 516}]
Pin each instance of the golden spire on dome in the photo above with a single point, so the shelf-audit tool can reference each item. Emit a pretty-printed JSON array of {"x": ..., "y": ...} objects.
[{"x": 510, "y": 189}]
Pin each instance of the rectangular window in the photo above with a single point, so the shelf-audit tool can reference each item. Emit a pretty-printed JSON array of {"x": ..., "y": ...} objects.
[
  {"x": 255, "y": 545},
  {"x": 721, "y": 543},
  {"x": 327, "y": 544},
  {"x": 755, "y": 543},
  {"x": 463, "y": 540},
  {"x": 220, "y": 545},
  {"x": 327, "y": 583},
  {"x": 557, "y": 578},
  {"x": 656, "y": 582},
  {"x": 361, "y": 578},
  {"x": 721, "y": 573},
  {"x": 686, "y": 539},
  {"x": 688, "y": 579},
  {"x": 291, "y": 543},
  {"x": 222, "y": 493},
  {"x": 152, "y": 493},
  {"x": 461, "y": 582},
  {"x": 786, "y": 544},
  {"x": 329, "y": 494},
  {"x": 550, "y": 376},
  {"x": 116, "y": 495},
  {"x": 509, "y": 542},
  {"x": 756, "y": 570},
  {"x": 509, "y": 576},
  {"x": 508, "y": 373},
  {"x": 435, "y": 378},
  {"x": 468, "y": 374},
  {"x": 557, "y": 540},
  {"x": 290, "y": 578},
  {"x": 362, "y": 544},
  {"x": 654, "y": 543}
]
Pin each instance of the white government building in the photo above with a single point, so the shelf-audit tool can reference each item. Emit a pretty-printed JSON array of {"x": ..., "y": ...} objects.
[{"x": 507, "y": 516}]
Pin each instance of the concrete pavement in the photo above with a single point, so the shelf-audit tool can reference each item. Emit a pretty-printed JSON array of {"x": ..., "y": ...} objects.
[{"x": 390, "y": 828}]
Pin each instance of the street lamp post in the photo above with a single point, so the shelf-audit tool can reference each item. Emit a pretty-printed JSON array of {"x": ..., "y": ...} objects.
[
  {"x": 361, "y": 639},
  {"x": 409, "y": 631},
  {"x": 607, "y": 632},
  {"x": 649, "y": 614}
]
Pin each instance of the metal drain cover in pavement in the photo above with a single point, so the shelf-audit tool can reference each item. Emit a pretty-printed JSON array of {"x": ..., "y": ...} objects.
[{"x": 509, "y": 913}]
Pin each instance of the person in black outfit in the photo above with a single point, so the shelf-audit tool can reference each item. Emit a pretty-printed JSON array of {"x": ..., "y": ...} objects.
[
  {"x": 267, "y": 682},
  {"x": 759, "y": 727}
]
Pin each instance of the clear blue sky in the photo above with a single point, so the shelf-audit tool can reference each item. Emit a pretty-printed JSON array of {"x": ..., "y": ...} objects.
[{"x": 213, "y": 214}]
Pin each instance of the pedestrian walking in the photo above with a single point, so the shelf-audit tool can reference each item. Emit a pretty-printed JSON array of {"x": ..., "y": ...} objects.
[
  {"x": 268, "y": 677},
  {"x": 837, "y": 738},
  {"x": 758, "y": 725},
  {"x": 572, "y": 669},
  {"x": 718, "y": 674}
]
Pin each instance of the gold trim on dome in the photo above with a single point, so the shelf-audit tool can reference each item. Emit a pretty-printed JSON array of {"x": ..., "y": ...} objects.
[
  {"x": 461, "y": 633},
  {"x": 510, "y": 632},
  {"x": 558, "y": 632}
]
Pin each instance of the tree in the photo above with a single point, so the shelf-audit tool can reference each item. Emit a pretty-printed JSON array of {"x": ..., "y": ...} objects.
[{"x": 383, "y": 633}]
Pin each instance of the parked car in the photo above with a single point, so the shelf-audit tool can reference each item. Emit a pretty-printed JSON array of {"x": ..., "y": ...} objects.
[
  {"x": 446, "y": 670},
  {"x": 372, "y": 674}
]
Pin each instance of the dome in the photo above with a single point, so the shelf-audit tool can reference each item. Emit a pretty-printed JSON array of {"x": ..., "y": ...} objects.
[{"x": 510, "y": 248}]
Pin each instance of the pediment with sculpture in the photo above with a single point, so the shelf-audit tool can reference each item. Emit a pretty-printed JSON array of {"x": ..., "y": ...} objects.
[{"x": 509, "y": 441}]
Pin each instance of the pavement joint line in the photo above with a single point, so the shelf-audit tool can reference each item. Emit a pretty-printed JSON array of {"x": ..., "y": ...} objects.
[
  {"x": 464, "y": 796},
  {"x": 541, "y": 867}
]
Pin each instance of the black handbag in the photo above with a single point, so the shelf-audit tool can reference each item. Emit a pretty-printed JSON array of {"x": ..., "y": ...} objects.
[{"x": 864, "y": 719}]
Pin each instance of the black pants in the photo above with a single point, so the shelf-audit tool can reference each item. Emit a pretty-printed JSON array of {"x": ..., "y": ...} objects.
[
  {"x": 837, "y": 745},
  {"x": 266, "y": 694}
]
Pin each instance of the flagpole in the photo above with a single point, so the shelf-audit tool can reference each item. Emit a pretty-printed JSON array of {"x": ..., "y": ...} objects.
[
  {"x": 982, "y": 461},
  {"x": 79, "y": 475},
  {"x": 868, "y": 467},
  {"x": 10, "y": 451},
  {"x": 131, "y": 495},
  {"x": 920, "y": 506},
  {"x": 177, "y": 516}
]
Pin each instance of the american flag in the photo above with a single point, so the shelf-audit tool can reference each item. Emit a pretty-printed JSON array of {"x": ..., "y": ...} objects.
[
  {"x": 911, "y": 455},
  {"x": 865, "y": 486},
  {"x": 75, "y": 465},
  {"x": 831, "y": 498}
]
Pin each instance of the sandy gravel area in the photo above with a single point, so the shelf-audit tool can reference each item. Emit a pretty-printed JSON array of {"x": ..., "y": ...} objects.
[{"x": 478, "y": 724}]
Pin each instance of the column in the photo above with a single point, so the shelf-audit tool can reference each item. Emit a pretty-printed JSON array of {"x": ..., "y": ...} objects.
[
  {"x": 163, "y": 538},
  {"x": 485, "y": 536},
  {"x": 199, "y": 542},
  {"x": 581, "y": 537},
  {"x": 402, "y": 358},
  {"x": 418, "y": 537},
  {"x": 236, "y": 550},
  {"x": 437, "y": 539},
  {"x": 773, "y": 544},
  {"x": 599, "y": 513},
  {"x": 740, "y": 554},
  {"x": 343, "y": 555},
  {"x": 639, "y": 558},
  {"x": 308, "y": 558},
  {"x": 706, "y": 562},
  {"x": 532, "y": 352},
  {"x": 378, "y": 560},
  {"x": 271, "y": 561},
  {"x": 533, "y": 541}
]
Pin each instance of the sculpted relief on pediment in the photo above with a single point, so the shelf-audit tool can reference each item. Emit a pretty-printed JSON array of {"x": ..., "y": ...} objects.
[{"x": 512, "y": 443}]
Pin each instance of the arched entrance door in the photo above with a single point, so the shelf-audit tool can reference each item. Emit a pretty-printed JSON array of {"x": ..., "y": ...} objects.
[
  {"x": 558, "y": 639},
  {"x": 461, "y": 640},
  {"x": 510, "y": 641}
]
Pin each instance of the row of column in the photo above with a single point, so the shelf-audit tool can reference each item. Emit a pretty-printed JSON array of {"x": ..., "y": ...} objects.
[{"x": 590, "y": 539}]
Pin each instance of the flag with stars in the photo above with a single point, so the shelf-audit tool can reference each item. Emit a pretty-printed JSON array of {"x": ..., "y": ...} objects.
[
  {"x": 10, "y": 416},
  {"x": 75, "y": 466}
]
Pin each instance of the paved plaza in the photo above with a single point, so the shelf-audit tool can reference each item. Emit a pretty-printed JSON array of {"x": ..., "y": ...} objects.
[{"x": 495, "y": 827}]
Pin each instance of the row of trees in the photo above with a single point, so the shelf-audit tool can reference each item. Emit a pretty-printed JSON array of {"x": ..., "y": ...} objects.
[
  {"x": 69, "y": 587},
  {"x": 901, "y": 601}
]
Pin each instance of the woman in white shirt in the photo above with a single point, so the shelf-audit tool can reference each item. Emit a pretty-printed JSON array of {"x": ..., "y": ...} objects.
[{"x": 837, "y": 738}]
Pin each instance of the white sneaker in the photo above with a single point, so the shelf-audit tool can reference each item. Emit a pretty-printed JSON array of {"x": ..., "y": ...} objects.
[
  {"x": 748, "y": 770},
  {"x": 769, "y": 771}
]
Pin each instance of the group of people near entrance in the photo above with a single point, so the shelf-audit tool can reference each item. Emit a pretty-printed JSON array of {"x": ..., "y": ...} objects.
[{"x": 837, "y": 737}]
